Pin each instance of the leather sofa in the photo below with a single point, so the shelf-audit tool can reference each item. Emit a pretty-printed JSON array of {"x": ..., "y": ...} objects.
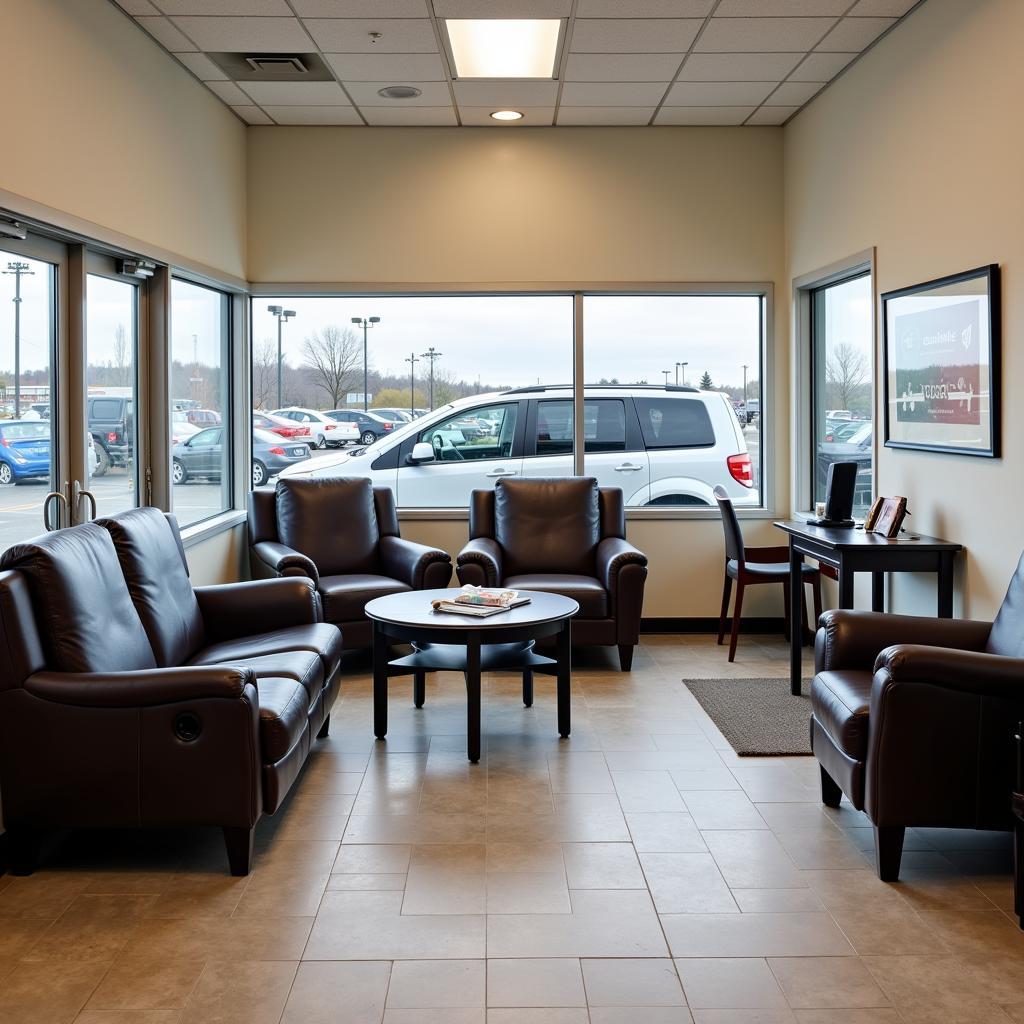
[
  {"x": 562, "y": 536},
  {"x": 341, "y": 533},
  {"x": 914, "y": 718},
  {"x": 128, "y": 698}
]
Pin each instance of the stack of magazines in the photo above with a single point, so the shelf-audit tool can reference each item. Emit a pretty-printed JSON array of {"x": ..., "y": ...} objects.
[{"x": 480, "y": 602}]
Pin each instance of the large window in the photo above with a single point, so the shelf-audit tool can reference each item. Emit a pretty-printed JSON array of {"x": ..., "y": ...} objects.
[
  {"x": 200, "y": 402},
  {"x": 842, "y": 391}
]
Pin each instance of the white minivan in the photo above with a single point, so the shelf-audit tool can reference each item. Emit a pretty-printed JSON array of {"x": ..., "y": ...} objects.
[{"x": 662, "y": 445}]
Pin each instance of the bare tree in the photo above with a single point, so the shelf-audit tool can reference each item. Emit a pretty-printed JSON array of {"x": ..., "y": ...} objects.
[
  {"x": 846, "y": 372},
  {"x": 122, "y": 361},
  {"x": 333, "y": 357},
  {"x": 264, "y": 375}
]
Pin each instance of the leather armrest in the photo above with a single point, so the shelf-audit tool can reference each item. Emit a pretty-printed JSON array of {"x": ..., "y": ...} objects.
[
  {"x": 232, "y": 610},
  {"x": 143, "y": 688},
  {"x": 852, "y": 640},
  {"x": 408, "y": 561},
  {"x": 987, "y": 675},
  {"x": 285, "y": 561},
  {"x": 483, "y": 553},
  {"x": 612, "y": 554}
]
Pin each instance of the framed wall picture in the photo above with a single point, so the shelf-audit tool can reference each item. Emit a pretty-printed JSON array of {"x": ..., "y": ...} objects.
[{"x": 941, "y": 364}]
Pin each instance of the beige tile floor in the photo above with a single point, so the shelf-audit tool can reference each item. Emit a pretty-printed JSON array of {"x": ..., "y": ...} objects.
[{"x": 637, "y": 873}]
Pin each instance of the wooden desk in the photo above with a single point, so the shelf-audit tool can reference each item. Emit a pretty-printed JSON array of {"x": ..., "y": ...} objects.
[{"x": 848, "y": 551}]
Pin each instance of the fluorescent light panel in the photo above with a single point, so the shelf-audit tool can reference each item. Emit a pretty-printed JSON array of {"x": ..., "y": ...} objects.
[{"x": 504, "y": 47}]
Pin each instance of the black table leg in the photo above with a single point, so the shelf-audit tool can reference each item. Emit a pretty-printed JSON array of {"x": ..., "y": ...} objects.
[
  {"x": 845, "y": 584},
  {"x": 380, "y": 682},
  {"x": 473, "y": 697},
  {"x": 945, "y": 585},
  {"x": 564, "y": 656},
  {"x": 878, "y": 591},
  {"x": 419, "y": 688},
  {"x": 796, "y": 584},
  {"x": 528, "y": 688}
]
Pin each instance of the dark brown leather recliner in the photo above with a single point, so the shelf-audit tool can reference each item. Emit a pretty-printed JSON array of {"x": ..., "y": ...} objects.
[
  {"x": 128, "y": 698},
  {"x": 562, "y": 536},
  {"x": 342, "y": 533},
  {"x": 913, "y": 718}
]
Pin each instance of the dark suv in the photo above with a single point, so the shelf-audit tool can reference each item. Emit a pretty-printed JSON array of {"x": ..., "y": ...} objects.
[
  {"x": 110, "y": 422},
  {"x": 371, "y": 426}
]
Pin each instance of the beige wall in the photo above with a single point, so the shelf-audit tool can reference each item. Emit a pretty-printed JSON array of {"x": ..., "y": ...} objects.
[
  {"x": 100, "y": 123},
  {"x": 418, "y": 206},
  {"x": 918, "y": 151}
]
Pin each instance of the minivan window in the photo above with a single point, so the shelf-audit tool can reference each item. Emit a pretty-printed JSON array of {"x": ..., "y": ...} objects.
[
  {"x": 670, "y": 422},
  {"x": 485, "y": 433},
  {"x": 604, "y": 426}
]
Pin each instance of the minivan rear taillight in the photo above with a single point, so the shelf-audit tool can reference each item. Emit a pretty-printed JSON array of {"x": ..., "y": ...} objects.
[{"x": 741, "y": 469}]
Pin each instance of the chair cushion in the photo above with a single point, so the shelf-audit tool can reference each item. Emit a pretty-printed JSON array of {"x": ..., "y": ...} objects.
[
  {"x": 284, "y": 709},
  {"x": 780, "y": 569},
  {"x": 546, "y": 526},
  {"x": 344, "y": 597},
  {"x": 331, "y": 520},
  {"x": 840, "y": 701},
  {"x": 82, "y": 605},
  {"x": 586, "y": 591},
  {"x": 304, "y": 667},
  {"x": 321, "y": 638}
]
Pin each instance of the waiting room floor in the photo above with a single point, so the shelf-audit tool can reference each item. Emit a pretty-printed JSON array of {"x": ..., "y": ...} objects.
[{"x": 638, "y": 873}]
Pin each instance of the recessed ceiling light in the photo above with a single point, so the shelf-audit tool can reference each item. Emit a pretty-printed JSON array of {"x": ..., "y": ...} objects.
[
  {"x": 504, "y": 47},
  {"x": 399, "y": 92},
  {"x": 507, "y": 115}
]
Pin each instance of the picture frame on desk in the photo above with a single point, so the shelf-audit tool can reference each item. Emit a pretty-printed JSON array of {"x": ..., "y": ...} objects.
[{"x": 941, "y": 365}]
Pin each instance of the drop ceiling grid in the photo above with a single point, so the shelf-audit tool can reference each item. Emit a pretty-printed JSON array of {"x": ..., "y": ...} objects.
[{"x": 632, "y": 62}]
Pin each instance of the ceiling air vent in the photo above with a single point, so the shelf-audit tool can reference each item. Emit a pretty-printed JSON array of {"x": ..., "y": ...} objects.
[
  {"x": 273, "y": 67},
  {"x": 278, "y": 64}
]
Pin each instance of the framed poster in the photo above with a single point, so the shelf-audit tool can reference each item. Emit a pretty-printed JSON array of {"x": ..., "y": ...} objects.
[{"x": 941, "y": 364}]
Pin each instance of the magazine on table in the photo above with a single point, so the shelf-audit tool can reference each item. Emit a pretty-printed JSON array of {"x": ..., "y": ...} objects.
[{"x": 480, "y": 602}]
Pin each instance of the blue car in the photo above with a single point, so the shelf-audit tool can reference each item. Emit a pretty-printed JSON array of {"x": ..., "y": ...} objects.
[{"x": 24, "y": 450}]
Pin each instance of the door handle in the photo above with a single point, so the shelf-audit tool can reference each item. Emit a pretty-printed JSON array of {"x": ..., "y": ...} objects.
[
  {"x": 79, "y": 493},
  {"x": 502, "y": 472},
  {"x": 60, "y": 496},
  {"x": 627, "y": 467}
]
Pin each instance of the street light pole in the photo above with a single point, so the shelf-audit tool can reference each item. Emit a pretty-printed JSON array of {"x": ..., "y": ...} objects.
[
  {"x": 666, "y": 372},
  {"x": 412, "y": 361},
  {"x": 367, "y": 323},
  {"x": 684, "y": 366},
  {"x": 746, "y": 366},
  {"x": 283, "y": 316},
  {"x": 431, "y": 354},
  {"x": 17, "y": 269}
]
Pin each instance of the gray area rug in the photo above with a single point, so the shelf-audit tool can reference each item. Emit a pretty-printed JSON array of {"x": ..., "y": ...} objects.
[{"x": 759, "y": 717}]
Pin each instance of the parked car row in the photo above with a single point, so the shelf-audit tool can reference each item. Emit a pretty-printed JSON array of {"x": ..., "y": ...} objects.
[
  {"x": 25, "y": 449},
  {"x": 201, "y": 456}
]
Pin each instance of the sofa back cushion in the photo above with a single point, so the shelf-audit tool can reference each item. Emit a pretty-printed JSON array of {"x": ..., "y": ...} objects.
[
  {"x": 331, "y": 520},
  {"x": 1007, "y": 635},
  {"x": 547, "y": 525},
  {"x": 153, "y": 566},
  {"x": 82, "y": 606}
]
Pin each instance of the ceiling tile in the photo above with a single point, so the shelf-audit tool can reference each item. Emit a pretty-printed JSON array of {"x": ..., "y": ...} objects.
[
  {"x": 882, "y": 8},
  {"x": 644, "y": 8},
  {"x": 252, "y": 115},
  {"x": 229, "y": 93},
  {"x": 772, "y": 115},
  {"x": 502, "y": 8},
  {"x": 738, "y": 67},
  {"x": 703, "y": 115},
  {"x": 433, "y": 94},
  {"x": 613, "y": 94},
  {"x": 781, "y": 8},
  {"x": 352, "y": 35},
  {"x": 202, "y": 67},
  {"x": 233, "y": 35},
  {"x": 534, "y": 117},
  {"x": 624, "y": 35},
  {"x": 761, "y": 35},
  {"x": 261, "y": 8},
  {"x": 167, "y": 35},
  {"x": 314, "y": 115},
  {"x": 137, "y": 7},
  {"x": 621, "y": 67},
  {"x": 795, "y": 93},
  {"x": 821, "y": 67},
  {"x": 296, "y": 94},
  {"x": 361, "y": 8},
  {"x": 380, "y": 67},
  {"x": 855, "y": 34},
  {"x": 413, "y": 116},
  {"x": 604, "y": 115},
  {"x": 509, "y": 93},
  {"x": 718, "y": 94}
]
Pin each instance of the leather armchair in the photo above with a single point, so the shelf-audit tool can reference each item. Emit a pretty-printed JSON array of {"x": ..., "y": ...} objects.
[
  {"x": 563, "y": 536},
  {"x": 913, "y": 719},
  {"x": 129, "y": 699},
  {"x": 342, "y": 533}
]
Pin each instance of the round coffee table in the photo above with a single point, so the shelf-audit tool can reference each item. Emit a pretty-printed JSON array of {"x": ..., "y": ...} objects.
[{"x": 471, "y": 645}]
